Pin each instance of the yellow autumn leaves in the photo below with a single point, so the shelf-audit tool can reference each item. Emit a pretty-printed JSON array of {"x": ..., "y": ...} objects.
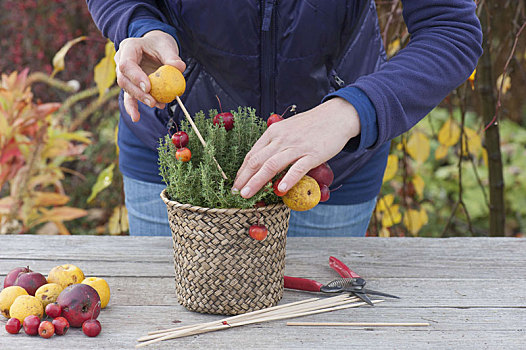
[
  {"x": 413, "y": 219},
  {"x": 419, "y": 146}
]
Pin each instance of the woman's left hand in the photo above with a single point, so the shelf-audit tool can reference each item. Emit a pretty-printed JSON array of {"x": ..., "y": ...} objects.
[{"x": 305, "y": 140}]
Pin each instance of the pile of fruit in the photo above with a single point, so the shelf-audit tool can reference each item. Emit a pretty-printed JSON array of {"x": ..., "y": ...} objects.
[{"x": 67, "y": 298}]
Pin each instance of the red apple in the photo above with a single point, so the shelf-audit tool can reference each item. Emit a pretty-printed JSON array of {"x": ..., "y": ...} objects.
[
  {"x": 61, "y": 325},
  {"x": 274, "y": 118},
  {"x": 31, "y": 324},
  {"x": 13, "y": 274},
  {"x": 46, "y": 329},
  {"x": 322, "y": 174},
  {"x": 225, "y": 119},
  {"x": 91, "y": 328},
  {"x": 79, "y": 302},
  {"x": 180, "y": 139},
  {"x": 53, "y": 310},
  {"x": 13, "y": 326},
  {"x": 183, "y": 154},
  {"x": 30, "y": 281},
  {"x": 258, "y": 232}
]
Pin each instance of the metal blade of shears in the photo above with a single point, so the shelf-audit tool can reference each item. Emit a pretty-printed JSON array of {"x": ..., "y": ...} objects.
[
  {"x": 374, "y": 292},
  {"x": 363, "y": 296}
]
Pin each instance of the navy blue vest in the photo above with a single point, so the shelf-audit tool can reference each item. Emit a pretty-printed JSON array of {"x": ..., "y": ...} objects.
[{"x": 269, "y": 55}]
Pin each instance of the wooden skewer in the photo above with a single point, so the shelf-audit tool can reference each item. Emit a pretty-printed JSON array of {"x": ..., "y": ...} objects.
[
  {"x": 219, "y": 327},
  {"x": 291, "y": 307},
  {"x": 313, "y": 303},
  {"x": 245, "y": 315},
  {"x": 196, "y": 130},
  {"x": 358, "y": 324},
  {"x": 277, "y": 313}
]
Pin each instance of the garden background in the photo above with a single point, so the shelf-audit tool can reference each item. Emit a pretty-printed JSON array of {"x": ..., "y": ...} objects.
[{"x": 459, "y": 172}]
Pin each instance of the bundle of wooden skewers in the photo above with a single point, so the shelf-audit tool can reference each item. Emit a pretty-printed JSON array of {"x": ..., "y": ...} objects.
[{"x": 296, "y": 309}]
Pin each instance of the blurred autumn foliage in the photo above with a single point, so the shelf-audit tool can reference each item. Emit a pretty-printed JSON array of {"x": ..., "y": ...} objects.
[
  {"x": 458, "y": 172},
  {"x": 33, "y": 31},
  {"x": 440, "y": 178}
]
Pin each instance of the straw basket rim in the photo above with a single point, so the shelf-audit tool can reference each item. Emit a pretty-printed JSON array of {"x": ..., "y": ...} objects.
[{"x": 196, "y": 208}]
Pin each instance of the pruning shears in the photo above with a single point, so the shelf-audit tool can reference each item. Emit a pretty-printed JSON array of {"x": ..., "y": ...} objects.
[{"x": 350, "y": 281}]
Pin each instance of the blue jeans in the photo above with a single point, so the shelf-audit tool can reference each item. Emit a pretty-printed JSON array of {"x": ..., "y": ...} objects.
[{"x": 148, "y": 216}]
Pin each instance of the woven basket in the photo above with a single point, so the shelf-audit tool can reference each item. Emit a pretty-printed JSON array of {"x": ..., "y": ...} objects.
[{"x": 219, "y": 268}]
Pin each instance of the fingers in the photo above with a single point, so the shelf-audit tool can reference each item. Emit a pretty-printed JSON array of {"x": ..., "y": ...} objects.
[
  {"x": 290, "y": 142},
  {"x": 137, "y": 57},
  {"x": 274, "y": 165},
  {"x": 272, "y": 153},
  {"x": 130, "y": 104},
  {"x": 134, "y": 90},
  {"x": 128, "y": 60},
  {"x": 296, "y": 172}
]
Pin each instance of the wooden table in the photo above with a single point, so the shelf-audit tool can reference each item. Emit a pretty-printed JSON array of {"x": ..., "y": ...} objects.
[{"x": 472, "y": 291}]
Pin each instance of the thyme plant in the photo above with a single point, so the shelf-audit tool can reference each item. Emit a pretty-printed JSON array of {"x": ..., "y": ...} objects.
[{"x": 199, "y": 181}]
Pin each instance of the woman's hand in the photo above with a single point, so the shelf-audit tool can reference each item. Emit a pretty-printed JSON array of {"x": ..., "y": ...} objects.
[
  {"x": 305, "y": 140},
  {"x": 138, "y": 57}
]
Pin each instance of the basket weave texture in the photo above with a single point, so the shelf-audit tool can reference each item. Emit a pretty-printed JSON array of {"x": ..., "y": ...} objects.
[{"x": 219, "y": 268}]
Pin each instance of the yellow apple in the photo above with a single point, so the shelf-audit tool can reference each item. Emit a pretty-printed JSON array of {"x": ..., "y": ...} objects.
[
  {"x": 7, "y": 298},
  {"x": 25, "y": 305},
  {"x": 48, "y": 293},
  {"x": 304, "y": 195},
  {"x": 102, "y": 287},
  {"x": 65, "y": 275}
]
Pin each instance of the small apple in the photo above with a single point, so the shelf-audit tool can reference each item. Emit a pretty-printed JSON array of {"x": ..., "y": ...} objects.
[
  {"x": 30, "y": 281},
  {"x": 79, "y": 302},
  {"x": 322, "y": 174},
  {"x": 53, "y": 310},
  {"x": 11, "y": 276},
  {"x": 274, "y": 118},
  {"x": 91, "y": 328},
  {"x": 61, "y": 325},
  {"x": 225, "y": 119},
  {"x": 46, "y": 329},
  {"x": 258, "y": 232},
  {"x": 31, "y": 324},
  {"x": 65, "y": 275},
  {"x": 183, "y": 154},
  {"x": 180, "y": 139},
  {"x": 13, "y": 326},
  {"x": 304, "y": 195}
]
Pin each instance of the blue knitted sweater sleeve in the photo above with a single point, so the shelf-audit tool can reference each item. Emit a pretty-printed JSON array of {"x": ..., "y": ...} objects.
[
  {"x": 114, "y": 17},
  {"x": 443, "y": 51}
]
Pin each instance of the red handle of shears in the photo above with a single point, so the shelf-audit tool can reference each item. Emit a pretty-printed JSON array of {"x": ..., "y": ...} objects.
[
  {"x": 341, "y": 268},
  {"x": 302, "y": 284}
]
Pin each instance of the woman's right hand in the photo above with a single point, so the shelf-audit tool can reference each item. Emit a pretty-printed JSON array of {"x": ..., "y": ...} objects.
[{"x": 139, "y": 57}]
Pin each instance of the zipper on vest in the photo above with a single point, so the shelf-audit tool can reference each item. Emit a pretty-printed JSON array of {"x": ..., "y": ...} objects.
[
  {"x": 336, "y": 81},
  {"x": 268, "y": 57}
]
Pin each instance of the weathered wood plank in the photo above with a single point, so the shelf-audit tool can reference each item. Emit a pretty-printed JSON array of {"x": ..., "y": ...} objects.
[
  {"x": 414, "y": 293},
  {"x": 411, "y": 258},
  {"x": 450, "y": 328}
]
